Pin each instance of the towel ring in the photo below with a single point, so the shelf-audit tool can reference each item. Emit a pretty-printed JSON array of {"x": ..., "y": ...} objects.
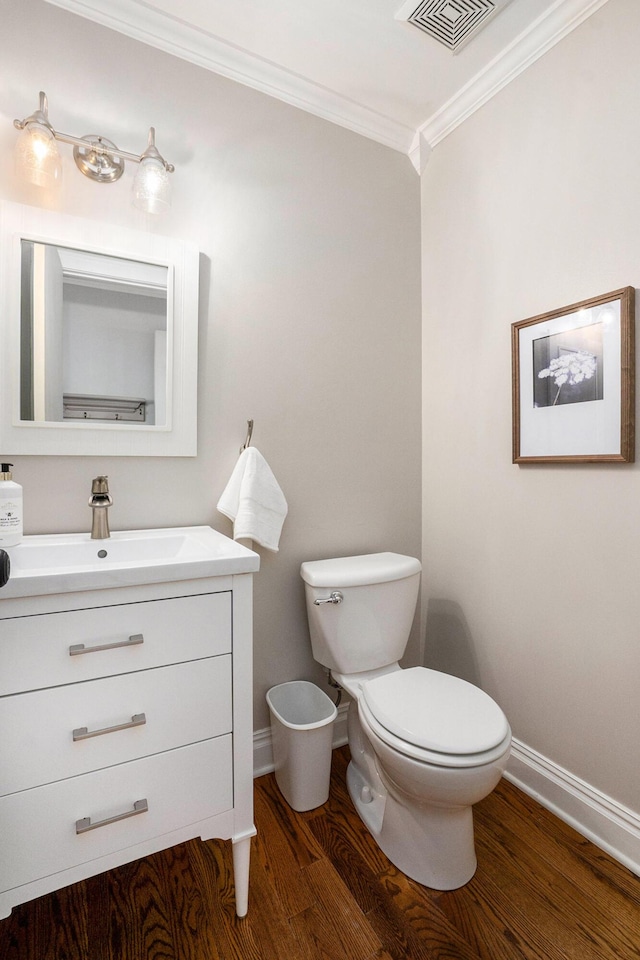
[{"x": 247, "y": 442}]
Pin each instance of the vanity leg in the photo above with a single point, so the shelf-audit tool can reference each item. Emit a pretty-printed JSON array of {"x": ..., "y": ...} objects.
[{"x": 241, "y": 857}]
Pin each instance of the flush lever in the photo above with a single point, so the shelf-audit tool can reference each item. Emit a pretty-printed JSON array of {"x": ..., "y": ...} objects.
[{"x": 336, "y": 597}]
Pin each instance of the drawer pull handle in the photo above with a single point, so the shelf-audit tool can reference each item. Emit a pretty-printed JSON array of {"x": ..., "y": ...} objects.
[
  {"x": 82, "y": 826},
  {"x": 77, "y": 648},
  {"x": 83, "y": 733}
]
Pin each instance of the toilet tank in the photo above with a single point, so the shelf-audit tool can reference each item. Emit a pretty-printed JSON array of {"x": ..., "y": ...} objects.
[{"x": 370, "y": 627}]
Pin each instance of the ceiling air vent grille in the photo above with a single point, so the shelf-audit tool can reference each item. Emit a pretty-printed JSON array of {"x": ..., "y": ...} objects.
[{"x": 450, "y": 22}]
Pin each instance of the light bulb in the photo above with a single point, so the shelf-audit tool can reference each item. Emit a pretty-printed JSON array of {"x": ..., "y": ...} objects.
[
  {"x": 151, "y": 188},
  {"x": 37, "y": 156}
]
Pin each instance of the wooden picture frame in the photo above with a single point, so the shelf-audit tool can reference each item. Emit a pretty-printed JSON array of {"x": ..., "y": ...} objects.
[{"x": 574, "y": 382}]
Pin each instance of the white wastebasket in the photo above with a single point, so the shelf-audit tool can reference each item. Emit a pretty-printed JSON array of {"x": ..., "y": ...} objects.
[{"x": 302, "y": 718}]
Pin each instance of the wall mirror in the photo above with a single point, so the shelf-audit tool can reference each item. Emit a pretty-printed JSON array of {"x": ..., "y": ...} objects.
[{"x": 98, "y": 337}]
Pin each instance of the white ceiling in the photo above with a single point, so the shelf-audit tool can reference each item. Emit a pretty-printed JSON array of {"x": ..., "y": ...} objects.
[{"x": 350, "y": 61}]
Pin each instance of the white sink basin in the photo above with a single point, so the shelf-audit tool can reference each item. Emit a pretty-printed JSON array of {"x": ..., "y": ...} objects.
[{"x": 73, "y": 561}]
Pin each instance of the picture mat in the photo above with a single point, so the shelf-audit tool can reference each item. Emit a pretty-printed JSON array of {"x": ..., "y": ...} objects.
[{"x": 576, "y": 429}]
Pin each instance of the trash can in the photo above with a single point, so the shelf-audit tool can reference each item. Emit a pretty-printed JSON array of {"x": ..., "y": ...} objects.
[{"x": 302, "y": 718}]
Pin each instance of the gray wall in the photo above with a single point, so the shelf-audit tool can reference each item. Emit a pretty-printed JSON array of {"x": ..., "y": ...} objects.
[
  {"x": 310, "y": 307},
  {"x": 532, "y": 571}
]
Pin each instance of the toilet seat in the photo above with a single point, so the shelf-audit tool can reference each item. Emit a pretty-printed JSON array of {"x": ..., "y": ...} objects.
[{"x": 434, "y": 717}]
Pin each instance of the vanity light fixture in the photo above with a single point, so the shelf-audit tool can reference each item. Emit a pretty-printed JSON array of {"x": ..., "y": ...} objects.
[{"x": 96, "y": 157}]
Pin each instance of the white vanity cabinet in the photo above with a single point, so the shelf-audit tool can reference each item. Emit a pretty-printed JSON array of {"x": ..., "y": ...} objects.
[{"x": 125, "y": 727}]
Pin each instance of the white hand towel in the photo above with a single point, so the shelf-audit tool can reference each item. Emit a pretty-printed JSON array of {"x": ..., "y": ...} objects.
[{"x": 254, "y": 501}]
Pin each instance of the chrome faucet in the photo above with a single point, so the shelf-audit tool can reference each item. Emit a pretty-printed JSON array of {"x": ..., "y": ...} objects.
[{"x": 100, "y": 501}]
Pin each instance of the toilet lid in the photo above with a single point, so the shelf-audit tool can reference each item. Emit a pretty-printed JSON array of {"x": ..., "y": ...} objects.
[
  {"x": 436, "y": 711},
  {"x": 359, "y": 571}
]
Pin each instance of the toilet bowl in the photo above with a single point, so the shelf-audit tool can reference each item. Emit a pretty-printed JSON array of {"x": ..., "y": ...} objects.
[{"x": 425, "y": 746}]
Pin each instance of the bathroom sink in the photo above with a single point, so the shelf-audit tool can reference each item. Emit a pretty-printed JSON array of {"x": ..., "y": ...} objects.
[{"x": 72, "y": 561}]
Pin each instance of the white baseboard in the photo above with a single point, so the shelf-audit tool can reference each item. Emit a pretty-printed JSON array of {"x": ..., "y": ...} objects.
[
  {"x": 263, "y": 751},
  {"x": 611, "y": 826},
  {"x": 604, "y": 821}
]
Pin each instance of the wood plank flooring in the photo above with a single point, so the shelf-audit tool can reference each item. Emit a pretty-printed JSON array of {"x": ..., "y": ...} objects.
[{"x": 321, "y": 890}]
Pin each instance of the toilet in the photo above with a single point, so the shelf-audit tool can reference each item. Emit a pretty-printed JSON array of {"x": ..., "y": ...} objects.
[{"x": 425, "y": 746}]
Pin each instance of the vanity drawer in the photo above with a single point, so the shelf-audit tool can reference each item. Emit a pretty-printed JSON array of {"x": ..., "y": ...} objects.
[
  {"x": 181, "y": 787},
  {"x": 35, "y": 651},
  {"x": 172, "y": 706}
]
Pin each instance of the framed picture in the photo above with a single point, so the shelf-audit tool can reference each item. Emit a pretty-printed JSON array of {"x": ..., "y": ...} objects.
[{"x": 573, "y": 383}]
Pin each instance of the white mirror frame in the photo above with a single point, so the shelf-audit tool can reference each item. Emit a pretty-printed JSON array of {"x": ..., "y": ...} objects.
[{"x": 176, "y": 438}]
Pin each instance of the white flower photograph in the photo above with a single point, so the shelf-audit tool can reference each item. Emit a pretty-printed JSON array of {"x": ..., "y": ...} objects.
[{"x": 567, "y": 367}]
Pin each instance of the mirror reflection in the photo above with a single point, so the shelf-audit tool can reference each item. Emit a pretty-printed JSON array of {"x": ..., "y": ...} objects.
[{"x": 93, "y": 337}]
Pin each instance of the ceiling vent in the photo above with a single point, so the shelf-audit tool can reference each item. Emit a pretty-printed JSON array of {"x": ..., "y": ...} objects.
[{"x": 450, "y": 22}]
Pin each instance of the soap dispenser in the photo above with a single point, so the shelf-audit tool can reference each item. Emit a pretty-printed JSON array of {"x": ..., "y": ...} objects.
[{"x": 10, "y": 508}]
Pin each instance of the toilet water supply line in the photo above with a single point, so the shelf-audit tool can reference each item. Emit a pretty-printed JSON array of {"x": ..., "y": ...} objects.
[
  {"x": 333, "y": 598},
  {"x": 336, "y": 686}
]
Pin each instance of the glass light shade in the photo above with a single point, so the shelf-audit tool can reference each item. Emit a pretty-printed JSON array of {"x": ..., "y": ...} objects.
[
  {"x": 37, "y": 156},
  {"x": 151, "y": 188}
]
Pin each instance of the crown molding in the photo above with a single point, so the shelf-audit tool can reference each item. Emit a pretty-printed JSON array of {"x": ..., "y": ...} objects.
[
  {"x": 137, "y": 20},
  {"x": 168, "y": 33},
  {"x": 419, "y": 152},
  {"x": 543, "y": 34}
]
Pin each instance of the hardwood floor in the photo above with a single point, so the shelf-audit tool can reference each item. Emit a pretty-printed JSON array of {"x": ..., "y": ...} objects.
[{"x": 321, "y": 890}]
